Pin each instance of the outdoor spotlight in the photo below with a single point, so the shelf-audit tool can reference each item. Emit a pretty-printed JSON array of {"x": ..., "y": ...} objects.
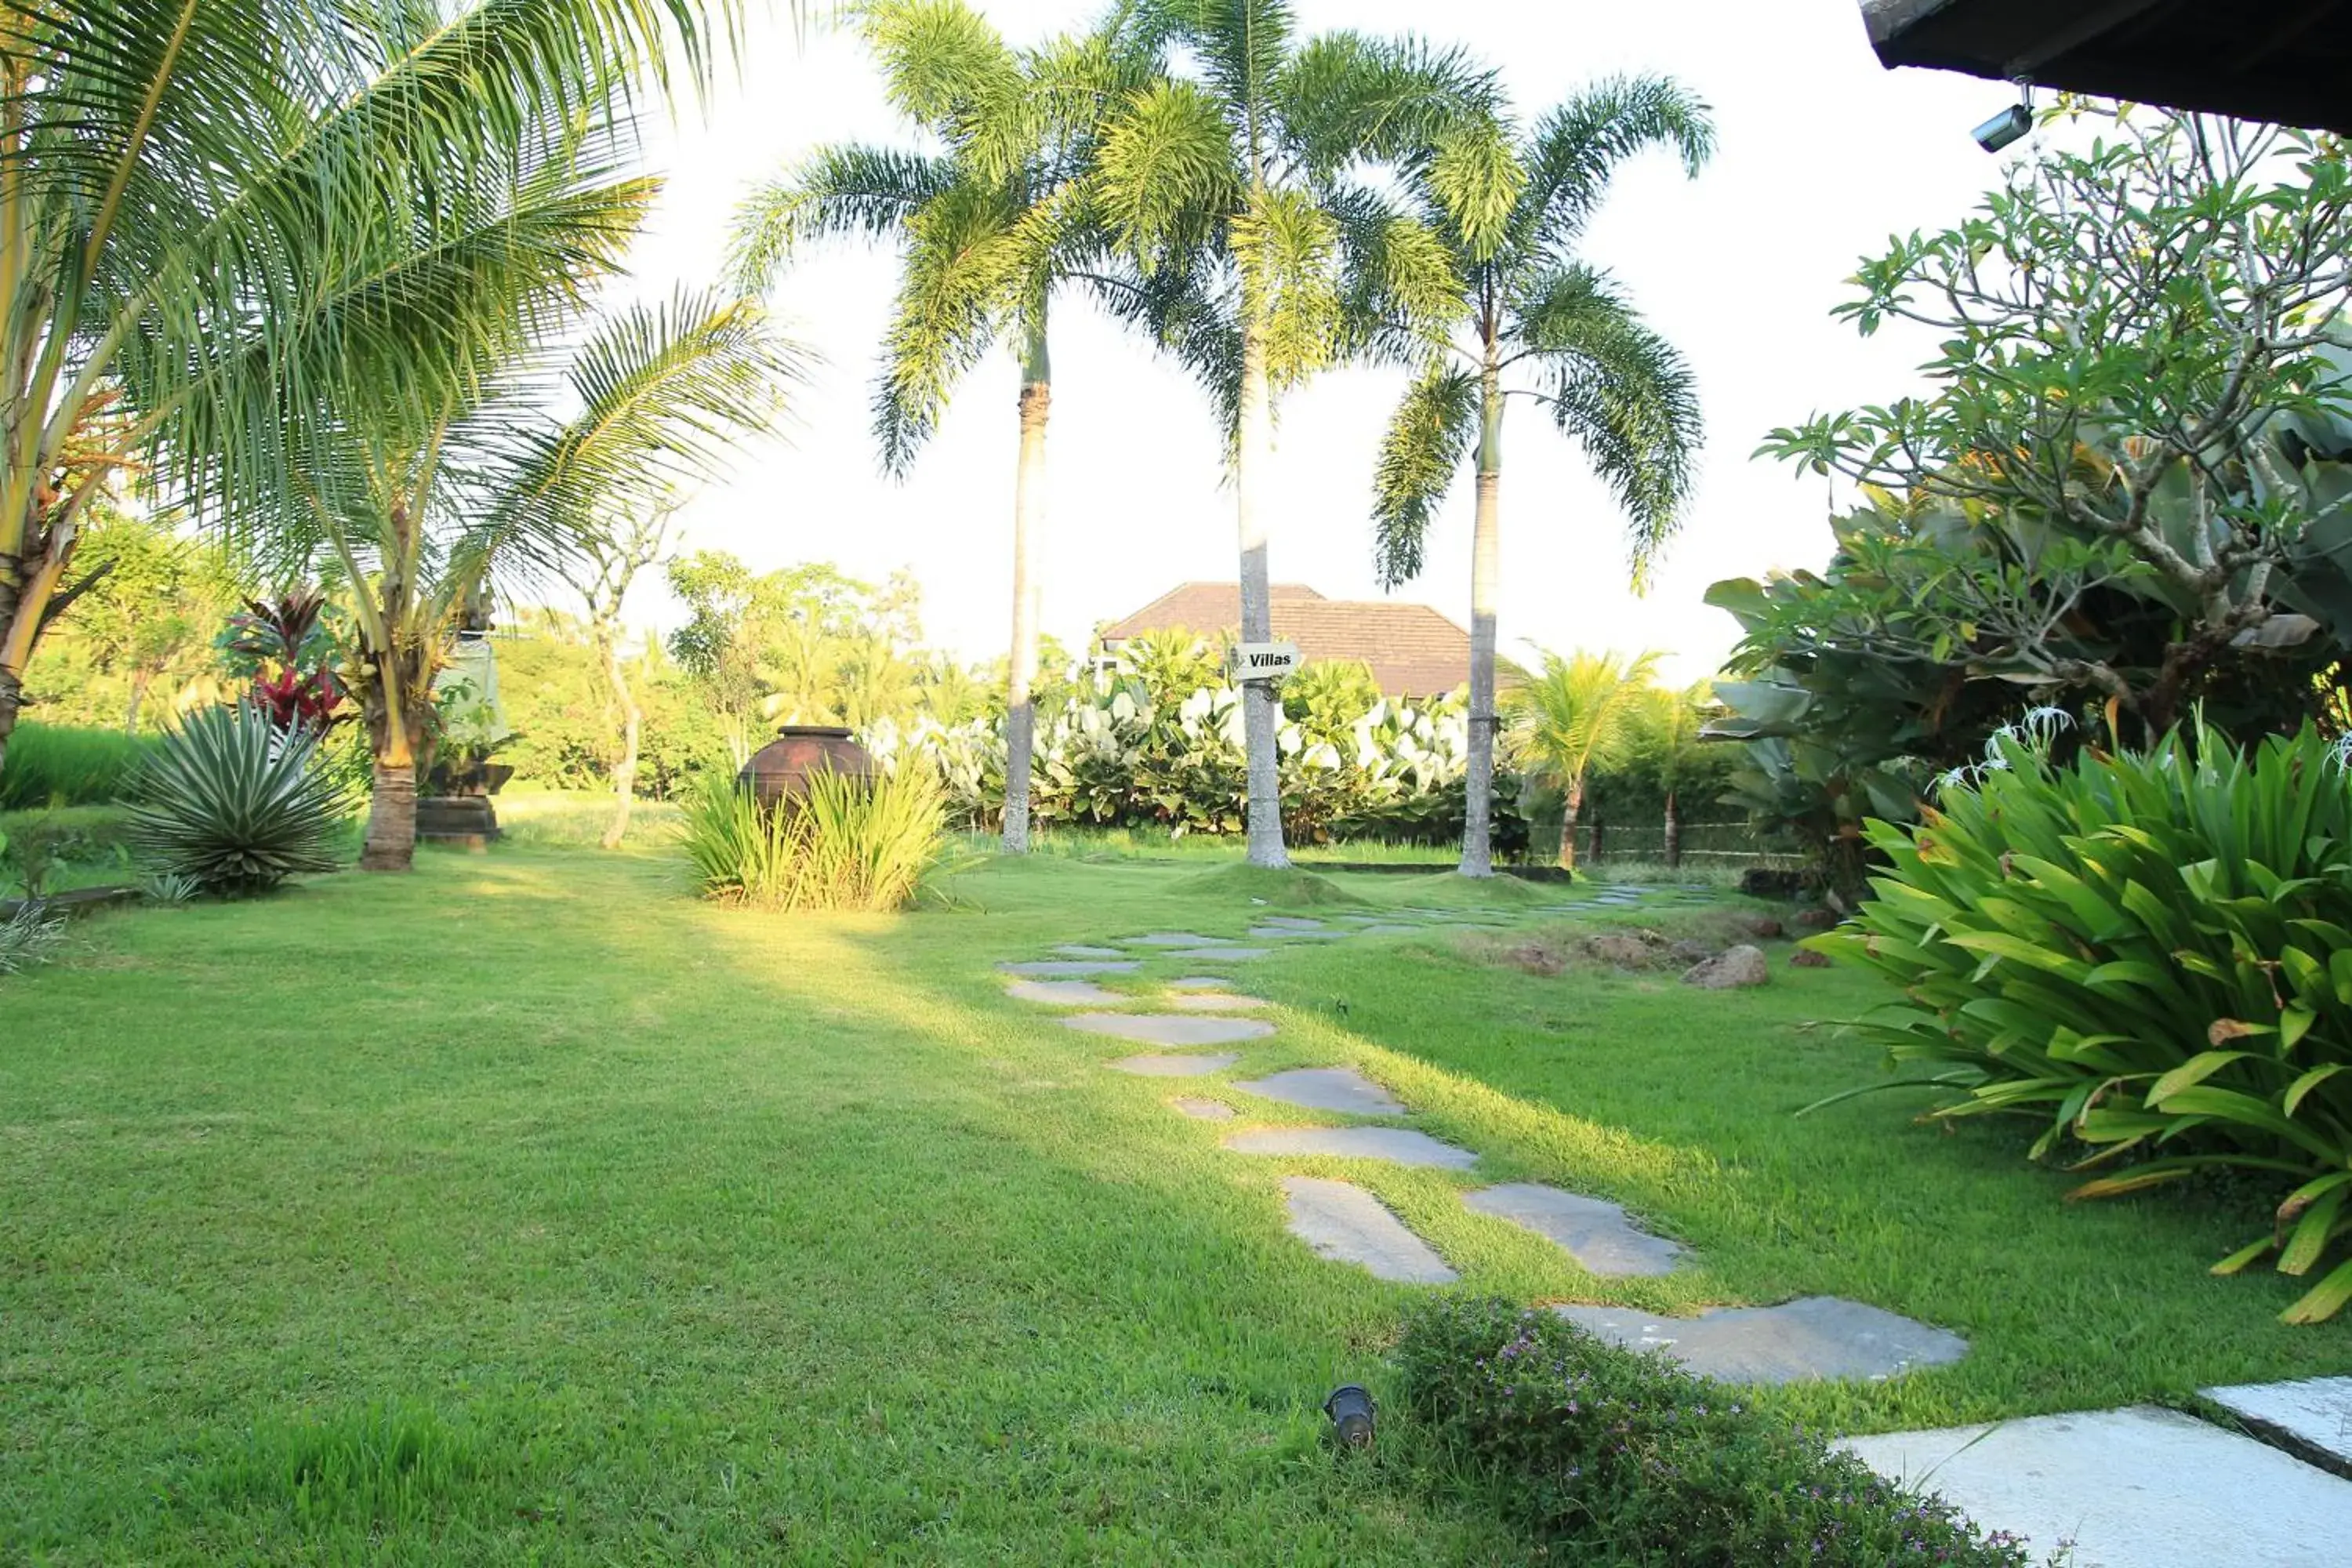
[
  {"x": 1350, "y": 1409},
  {"x": 2010, "y": 125}
]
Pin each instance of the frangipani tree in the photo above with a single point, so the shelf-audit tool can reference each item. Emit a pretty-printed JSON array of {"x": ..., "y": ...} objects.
[
  {"x": 1535, "y": 324},
  {"x": 1247, "y": 181},
  {"x": 993, "y": 228},
  {"x": 1575, "y": 716},
  {"x": 206, "y": 201}
]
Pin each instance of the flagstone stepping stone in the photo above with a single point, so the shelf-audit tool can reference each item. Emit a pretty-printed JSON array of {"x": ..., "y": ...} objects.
[
  {"x": 1200, "y": 982},
  {"x": 1197, "y": 1064},
  {"x": 1082, "y": 950},
  {"x": 2311, "y": 1417},
  {"x": 1397, "y": 1144},
  {"x": 1063, "y": 993},
  {"x": 1327, "y": 1089},
  {"x": 1216, "y": 1002},
  {"x": 1290, "y": 922},
  {"x": 1233, "y": 954},
  {"x": 1175, "y": 939},
  {"x": 1347, "y": 1225},
  {"x": 1389, "y": 930},
  {"x": 1812, "y": 1337},
  {"x": 1593, "y": 1231},
  {"x": 1200, "y": 1110},
  {"x": 1169, "y": 1028},
  {"x": 2137, "y": 1487},
  {"x": 1070, "y": 967},
  {"x": 1293, "y": 933}
]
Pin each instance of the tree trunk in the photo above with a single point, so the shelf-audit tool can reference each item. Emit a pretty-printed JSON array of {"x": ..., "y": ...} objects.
[
  {"x": 1674, "y": 835},
  {"x": 1028, "y": 589},
  {"x": 12, "y": 698},
  {"x": 1486, "y": 546},
  {"x": 138, "y": 697},
  {"x": 391, "y": 843},
  {"x": 1261, "y": 709},
  {"x": 1575, "y": 802},
  {"x": 624, "y": 776}
]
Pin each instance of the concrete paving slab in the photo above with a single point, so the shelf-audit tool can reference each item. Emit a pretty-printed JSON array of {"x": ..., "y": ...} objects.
[
  {"x": 1070, "y": 967},
  {"x": 1063, "y": 993},
  {"x": 1348, "y": 1225},
  {"x": 2311, "y": 1417},
  {"x": 1327, "y": 1089},
  {"x": 1393, "y": 1144},
  {"x": 1813, "y": 1337},
  {"x": 2139, "y": 1488},
  {"x": 1084, "y": 950},
  {"x": 1593, "y": 1231},
  {"x": 1216, "y": 1002},
  {"x": 1200, "y": 1110},
  {"x": 1169, "y": 1028},
  {"x": 1167, "y": 1064},
  {"x": 1174, "y": 939}
]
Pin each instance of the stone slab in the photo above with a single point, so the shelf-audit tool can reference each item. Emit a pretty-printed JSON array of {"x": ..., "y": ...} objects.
[
  {"x": 1169, "y": 1028},
  {"x": 2311, "y": 1417},
  {"x": 1348, "y": 1225},
  {"x": 1200, "y": 1110},
  {"x": 1063, "y": 993},
  {"x": 1593, "y": 1231},
  {"x": 1167, "y": 1064},
  {"x": 1221, "y": 954},
  {"x": 1389, "y": 928},
  {"x": 1328, "y": 1089},
  {"x": 1175, "y": 939},
  {"x": 1069, "y": 967},
  {"x": 1291, "y": 923},
  {"x": 2139, "y": 1488},
  {"x": 1293, "y": 933},
  {"x": 1200, "y": 982},
  {"x": 1083, "y": 949},
  {"x": 1216, "y": 1002},
  {"x": 1397, "y": 1144},
  {"x": 1796, "y": 1341}
]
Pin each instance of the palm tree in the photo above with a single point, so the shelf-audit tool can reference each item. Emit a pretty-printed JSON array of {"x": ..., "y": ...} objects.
[
  {"x": 1532, "y": 322},
  {"x": 1574, "y": 716},
  {"x": 993, "y": 227},
  {"x": 1666, "y": 737},
  {"x": 187, "y": 188},
  {"x": 1250, "y": 181},
  {"x": 418, "y": 522}
]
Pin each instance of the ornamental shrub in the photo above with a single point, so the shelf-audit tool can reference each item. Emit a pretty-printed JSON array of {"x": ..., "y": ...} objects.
[
  {"x": 236, "y": 804},
  {"x": 2148, "y": 953},
  {"x": 1611, "y": 1457}
]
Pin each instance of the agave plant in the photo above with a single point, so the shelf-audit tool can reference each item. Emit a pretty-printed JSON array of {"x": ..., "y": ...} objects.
[
  {"x": 2146, "y": 954},
  {"x": 236, "y": 803}
]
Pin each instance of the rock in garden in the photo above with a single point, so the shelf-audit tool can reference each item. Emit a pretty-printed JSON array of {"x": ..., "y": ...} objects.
[
  {"x": 1764, "y": 928},
  {"x": 1816, "y": 919},
  {"x": 1806, "y": 958},
  {"x": 1689, "y": 951},
  {"x": 1617, "y": 948},
  {"x": 1730, "y": 969}
]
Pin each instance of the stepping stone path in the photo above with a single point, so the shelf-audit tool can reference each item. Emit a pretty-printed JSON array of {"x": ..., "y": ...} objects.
[
  {"x": 2139, "y": 1488},
  {"x": 1063, "y": 993},
  {"x": 1327, "y": 1089},
  {"x": 1070, "y": 966},
  {"x": 1200, "y": 982},
  {"x": 1396, "y": 1144},
  {"x": 1200, "y": 1110},
  {"x": 2312, "y": 1418},
  {"x": 1216, "y": 1002},
  {"x": 1348, "y": 1225},
  {"x": 1389, "y": 928},
  {"x": 1224, "y": 954},
  {"x": 1176, "y": 939},
  {"x": 1593, "y": 1231},
  {"x": 1197, "y": 1064},
  {"x": 1170, "y": 1028},
  {"x": 1297, "y": 933},
  {"x": 1290, "y": 922},
  {"x": 1812, "y": 1337},
  {"x": 1081, "y": 949}
]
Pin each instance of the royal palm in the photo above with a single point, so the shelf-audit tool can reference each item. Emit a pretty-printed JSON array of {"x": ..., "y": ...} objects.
[{"x": 1532, "y": 323}]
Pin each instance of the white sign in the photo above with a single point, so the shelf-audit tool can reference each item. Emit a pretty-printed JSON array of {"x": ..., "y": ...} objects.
[{"x": 1266, "y": 660}]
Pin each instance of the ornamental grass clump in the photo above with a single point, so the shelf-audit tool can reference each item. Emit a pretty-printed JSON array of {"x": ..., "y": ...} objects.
[
  {"x": 2147, "y": 954},
  {"x": 1609, "y": 1456},
  {"x": 849, "y": 843}
]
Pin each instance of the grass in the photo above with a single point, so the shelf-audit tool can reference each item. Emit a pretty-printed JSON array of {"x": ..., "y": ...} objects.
[
  {"x": 51, "y": 765},
  {"x": 525, "y": 1209}
]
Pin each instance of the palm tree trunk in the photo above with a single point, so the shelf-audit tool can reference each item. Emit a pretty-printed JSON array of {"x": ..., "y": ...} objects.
[
  {"x": 1261, "y": 710},
  {"x": 390, "y": 843},
  {"x": 1568, "y": 814},
  {"x": 624, "y": 776},
  {"x": 1674, "y": 835},
  {"x": 12, "y": 698},
  {"x": 1486, "y": 556},
  {"x": 1028, "y": 589}
]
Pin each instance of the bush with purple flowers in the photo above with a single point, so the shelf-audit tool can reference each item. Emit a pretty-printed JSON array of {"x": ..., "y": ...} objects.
[{"x": 1626, "y": 1459}]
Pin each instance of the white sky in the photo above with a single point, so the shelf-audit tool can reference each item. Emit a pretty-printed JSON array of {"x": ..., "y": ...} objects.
[{"x": 1823, "y": 155}]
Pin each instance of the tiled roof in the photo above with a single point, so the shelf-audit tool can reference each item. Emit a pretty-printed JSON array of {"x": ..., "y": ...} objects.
[{"x": 1413, "y": 651}]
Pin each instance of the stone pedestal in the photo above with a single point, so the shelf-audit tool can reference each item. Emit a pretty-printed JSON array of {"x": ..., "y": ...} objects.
[{"x": 464, "y": 819}]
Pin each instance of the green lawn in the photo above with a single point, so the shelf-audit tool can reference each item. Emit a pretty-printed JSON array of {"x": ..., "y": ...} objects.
[{"x": 527, "y": 1209}]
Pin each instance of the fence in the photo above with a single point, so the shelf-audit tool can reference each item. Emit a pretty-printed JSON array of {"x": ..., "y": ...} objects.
[{"x": 1733, "y": 846}]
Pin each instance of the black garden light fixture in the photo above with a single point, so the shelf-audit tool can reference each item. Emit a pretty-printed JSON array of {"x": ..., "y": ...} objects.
[{"x": 1351, "y": 1410}]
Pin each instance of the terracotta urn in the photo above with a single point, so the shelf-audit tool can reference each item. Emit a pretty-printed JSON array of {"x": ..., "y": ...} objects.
[{"x": 778, "y": 771}]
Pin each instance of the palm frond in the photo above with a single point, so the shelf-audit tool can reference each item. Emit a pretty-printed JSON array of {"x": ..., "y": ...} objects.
[
  {"x": 1346, "y": 96},
  {"x": 1576, "y": 714},
  {"x": 945, "y": 67},
  {"x": 1400, "y": 286},
  {"x": 1579, "y": 145},
  {"x": 963, "y": 275},
  {"x": 1427, "y": 438},
  {"x": 1241, "y": 45},
  {"x": 852, "y": 192}
]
